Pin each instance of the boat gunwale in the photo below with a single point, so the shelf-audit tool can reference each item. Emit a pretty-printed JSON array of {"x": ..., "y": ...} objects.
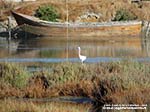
[{"x": 78, "y": 24}]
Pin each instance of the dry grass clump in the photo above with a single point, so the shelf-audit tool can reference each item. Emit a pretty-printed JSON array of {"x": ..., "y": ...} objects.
[
  {"x": 130, "y": 87},
  {"x": 36, "y": 87},
  {"x": 106, "y": 93},
  {"x": 9, "y": 105},
  {"x": 7, "y": 90},
  {"x": 137, "y": 97},
  {"x": 5, "y": 8},
  {"x": 82, "y": 88}
]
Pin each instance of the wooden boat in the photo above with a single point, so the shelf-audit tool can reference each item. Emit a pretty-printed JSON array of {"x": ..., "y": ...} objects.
[{"x": 95, "y": 30}]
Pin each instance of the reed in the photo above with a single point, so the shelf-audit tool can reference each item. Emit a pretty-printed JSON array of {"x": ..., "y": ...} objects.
[
  {"x": 120, "y": 82},
  {"x": 75, "y": 79},
  {"x": 14, "y": 75}
]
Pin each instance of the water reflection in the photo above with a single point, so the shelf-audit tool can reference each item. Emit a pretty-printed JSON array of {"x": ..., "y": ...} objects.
[
  {"x": 146, "y": 46},
  {"x": 48, "y": 48},
  {"x": 7, "y": 48}
]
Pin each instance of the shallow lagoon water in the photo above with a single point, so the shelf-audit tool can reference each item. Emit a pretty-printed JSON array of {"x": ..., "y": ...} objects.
[
  {"x": 47, "y": 50},
  {"x": 68, "y": 99},
  {"x": 57, "y": 60}
]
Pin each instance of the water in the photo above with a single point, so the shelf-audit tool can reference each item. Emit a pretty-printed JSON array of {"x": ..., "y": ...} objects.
[
  {"x": 45, "y": 49},
  {"x": 68, "y": 99}
]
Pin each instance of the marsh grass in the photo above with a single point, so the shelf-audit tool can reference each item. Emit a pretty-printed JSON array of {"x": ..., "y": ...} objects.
[
  {"x": 9, "y": 105},
  {"x": 14, "y": 75},
  {"x": 98, "y": 81},
  {"x": 131, "y": 86}
]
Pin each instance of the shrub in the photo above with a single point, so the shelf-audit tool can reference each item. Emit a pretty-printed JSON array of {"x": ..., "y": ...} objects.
[
  {"x": 124, "y": 15},
  {"x": 47, "y": 13}
]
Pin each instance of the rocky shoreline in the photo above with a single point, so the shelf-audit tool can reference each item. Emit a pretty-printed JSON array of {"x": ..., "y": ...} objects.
[{"x": 6, "y": 26}]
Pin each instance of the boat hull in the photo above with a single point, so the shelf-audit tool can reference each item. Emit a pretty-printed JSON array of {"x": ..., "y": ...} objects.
[{"x": 78, "y": 30}]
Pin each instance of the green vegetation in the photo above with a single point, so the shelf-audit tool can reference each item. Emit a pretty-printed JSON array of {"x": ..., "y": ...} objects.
[
  {"x": 13, "y": 75},
  {"x": 129, "y": 74},
  {"x": 124, "y": 82},
  {"x": 47, "y": 13},
  {"x": 124, "y": 15}
]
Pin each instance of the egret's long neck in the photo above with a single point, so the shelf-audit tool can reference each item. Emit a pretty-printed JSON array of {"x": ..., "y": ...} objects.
[{"x": 79, "y": 52}]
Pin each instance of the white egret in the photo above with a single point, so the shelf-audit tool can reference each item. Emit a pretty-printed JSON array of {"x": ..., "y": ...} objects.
[{"x": 81, "y": 57}]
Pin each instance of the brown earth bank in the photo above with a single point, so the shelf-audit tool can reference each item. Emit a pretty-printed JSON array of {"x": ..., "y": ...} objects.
[
  {"x": 106, "y": 9},
  {"x": 106, "y": 83}
]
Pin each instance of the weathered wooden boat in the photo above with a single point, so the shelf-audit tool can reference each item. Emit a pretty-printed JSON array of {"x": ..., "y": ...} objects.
[{"x": 95, "y": 30}]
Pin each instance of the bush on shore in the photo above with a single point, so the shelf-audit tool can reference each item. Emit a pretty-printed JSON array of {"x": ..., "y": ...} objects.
[
  {"x": 124, "y": 15},
  {"x": 47, "y": 13}
]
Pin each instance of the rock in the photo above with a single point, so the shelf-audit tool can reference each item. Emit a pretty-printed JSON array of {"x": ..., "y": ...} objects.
[
  {"x": 4, "y": 24},
  {"x": 89, "y": 17}
]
